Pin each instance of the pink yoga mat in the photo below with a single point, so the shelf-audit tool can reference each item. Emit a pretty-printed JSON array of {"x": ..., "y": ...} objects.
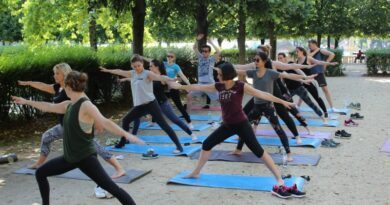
[
  {"x": 318, "y": 135},
  {"x": 212, "y": 108},
  {"x": 386, "y": 146}
]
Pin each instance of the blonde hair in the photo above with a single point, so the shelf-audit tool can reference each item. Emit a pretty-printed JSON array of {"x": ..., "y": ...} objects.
[
  {"x": 64, "y": 68},
  {"x": 265, "y": 48}
]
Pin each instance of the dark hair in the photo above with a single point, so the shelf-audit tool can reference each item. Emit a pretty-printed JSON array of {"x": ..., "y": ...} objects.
[
  {"x": 137, "y": 58},
  {"x": 207, "y": 46},
  {"x": 160, "y": 66},
  {"x": 265, "y": 48},
  {"x": 302, "y": 50},
  {"x": 263, "y": 56},
  {"x": 77, "y": 81},
  {"x": 282, "y": 54},
  {"x": 228, "y": 71},
  {"x": 313, "y": 41}
]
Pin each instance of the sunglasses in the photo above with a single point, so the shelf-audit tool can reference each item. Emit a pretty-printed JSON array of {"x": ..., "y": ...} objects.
[
  {"x": 256, "y": 60},
  {"x": 205, "y": 51},
  {"x": 170, "y": 56}
]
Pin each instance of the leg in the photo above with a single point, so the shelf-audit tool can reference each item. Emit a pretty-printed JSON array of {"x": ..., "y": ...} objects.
[
  {"x": 136, "y": 124},
  {"x": 110, "y": 158},
  {"x": 320, "y": 78},
  {"x": 135, "y": 113},
  {"x": 314, "y": 92},
  {"x": 166, "y": 108},
  {"x": 304, "y": 95},
  {"x": 254, "y": 117},
  {"x": 328, "y": 96},
  {"x": 249, "y": 106},
  {"x": 94, "y": 170},
  {"x": 53, "y": 167},
  {"x": 175, "y": 95},
  {"x": 48, "y": 137}
]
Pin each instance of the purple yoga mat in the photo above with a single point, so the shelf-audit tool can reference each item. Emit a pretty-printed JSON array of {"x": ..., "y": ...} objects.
[
  {"x": 212, "y": 108},
  {"x": 318, "y": 135},
  {"x": 386, "y": 146}
]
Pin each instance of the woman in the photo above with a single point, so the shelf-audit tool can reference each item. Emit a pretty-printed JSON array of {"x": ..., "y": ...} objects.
[
  {"x": 159, "y": 92},
  {"x": 80, "y": 118},
  {"x": 218, "y": 61},
  {"x": 55, "y": 133},
  {"x": 235, "y": 122},
  {"x": 263, "y": 79},
  {"x": 144, "y": 101}
]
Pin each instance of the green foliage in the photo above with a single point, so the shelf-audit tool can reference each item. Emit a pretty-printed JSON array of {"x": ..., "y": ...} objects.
[
  {"x": 336, "y": 70},
  {"x": 378, "y": 61},
  {"x": 232, "y": 55}
]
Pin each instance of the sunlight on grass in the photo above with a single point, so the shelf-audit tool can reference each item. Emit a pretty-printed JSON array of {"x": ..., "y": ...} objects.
[{"x": 380, "y": 80}]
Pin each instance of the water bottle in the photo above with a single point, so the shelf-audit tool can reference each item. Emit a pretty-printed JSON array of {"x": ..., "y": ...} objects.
[
  {"x": 209, "y": 117},
  {"x": 284, "y": 159}
]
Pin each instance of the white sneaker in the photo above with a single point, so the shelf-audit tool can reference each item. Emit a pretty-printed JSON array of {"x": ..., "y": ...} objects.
[
  {"x": 176, "y": 151},
  {"x": 100, "y": 193},
  {"x": 334, "y": 110},
  {"x": 214, "y": 125},
  {"x": 190, "y": 126},
  {"x": 194, "y": 137}
]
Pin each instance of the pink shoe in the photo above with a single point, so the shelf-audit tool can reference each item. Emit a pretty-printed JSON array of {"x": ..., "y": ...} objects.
[{"x": 350, "y": 123}]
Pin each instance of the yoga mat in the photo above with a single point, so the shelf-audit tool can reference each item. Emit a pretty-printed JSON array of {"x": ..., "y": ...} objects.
[
  {"x": 212, "y": 108},
  {"x": 131, "y": 174},
  {"x": 271, "y": 141},
  {"x": 197, "y": 127},
  {"x": 249, "y": 157},
  {"x": 256, "y": 183},
  {"x": 386, "y": 146},
  {"x": 206, "y": 117},
  {"x": 312, "y": 115},
  {"x": 342, "y": 111},
  {"x": 163, "y": 139},
  {"x": 310, "y": 122},
  {"x": 161, "y": 150},
  {"x": 319, "y": 135}
]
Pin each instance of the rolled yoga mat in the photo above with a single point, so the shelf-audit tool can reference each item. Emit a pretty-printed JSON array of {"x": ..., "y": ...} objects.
[
  {"x": 131, "y": 174},
  {"x": 197, "y": 127},
  {"x": 273, "y": 141},
  {"x": 386, "y": 146},
  {"x": 228, "y": 181},
  {"x": 161, "y": 150},
  {"x": 319, "y": 135},
  {"x": 249, "y": 157}
]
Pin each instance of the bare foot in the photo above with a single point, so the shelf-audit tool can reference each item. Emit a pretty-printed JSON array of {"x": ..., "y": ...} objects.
[
  {"x": 191, "y": 176},
  {"x": 236, "y": 152},
  {"x": 118, "y": 174},
  {"x": 289, "y": 157},
  {"x": 298, "y": 140}
]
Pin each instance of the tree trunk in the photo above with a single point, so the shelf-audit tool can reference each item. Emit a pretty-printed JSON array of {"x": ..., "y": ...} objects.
[
  {"x": 262, "y": 41},
  {"x": 319, "y": 39},
  {"x": 220, "y": 40},
  {"x": 241, "y": 32},
  {"x": 272, "y": 39},
  {"x": 138, "y": 13},
  {"x": 336, "y": 42},
  {"x": 328, "y": 42},
  {"x": 201, "y": 22},
  {"x": 92, "y": 24}
]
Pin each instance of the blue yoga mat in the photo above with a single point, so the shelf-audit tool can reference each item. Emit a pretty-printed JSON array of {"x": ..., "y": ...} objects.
[
  {"x": 161, "y": 150},
  {"x": 312, "y": 115},
  {"x": 343, "y": 111},
  {"x": 273, "y": 141},
  {"x": 256, "y": 183},
  {"x": 197, "y": 127},
  {"x": 206, "y": 117},
  {"x": 163, "y": 139},
  {"x": 310, "y": 122}
]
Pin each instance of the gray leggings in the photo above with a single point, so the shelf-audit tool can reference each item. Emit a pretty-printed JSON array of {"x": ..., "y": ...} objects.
[{"x": 56, "y": 133}]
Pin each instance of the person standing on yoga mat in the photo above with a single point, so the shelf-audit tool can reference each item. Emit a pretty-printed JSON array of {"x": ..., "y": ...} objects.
[
  {"x": 80, "y": 118},
  {"x": 219, "y": 61},
  {"x": 159, "y": 92},
  {"x": 205, "y": 71},
  {"x": 144, "y": 100},
  {"x": 55, "y": 133},
  {"x": 235, "y": 122}
]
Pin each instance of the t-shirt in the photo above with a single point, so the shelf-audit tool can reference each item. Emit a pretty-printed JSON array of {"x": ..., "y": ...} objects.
[
  {"x": 141, "y": 87},
  {"x": 231, "y": 102},
  {"x": 59, "y": 97},
  {"x": 318, "y": 68},
  {"x": 172, "y": 69},
  {"x": 205, "y": 69},
  {"x": 264, "y": 83},
  {"x": 159, "y": 92},
  {"x": 292, "y": 84}
]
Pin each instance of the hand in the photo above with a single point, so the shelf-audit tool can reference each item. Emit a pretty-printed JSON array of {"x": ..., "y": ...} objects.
[
  {"x": 134, "y": 139},
  {"x": 334, "y": 63},
  {"x": 103, "y": 69},
  {"x": 311, "y": 76},
  {"x": 19, "y": 100},
  {"x": 288, "y": 104},
  {"x": 174, "y": 85},
  {"x": 307, "y": 81},
  {"x": 122, "y": 80},
  {"x": 23, "y": 83},
  {"x": 200, "y": 36}
]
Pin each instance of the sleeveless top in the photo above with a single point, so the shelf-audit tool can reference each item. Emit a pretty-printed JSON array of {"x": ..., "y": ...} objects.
[
  {"x": 318, "y": 68},
  {"x": 141, "y": 87}
]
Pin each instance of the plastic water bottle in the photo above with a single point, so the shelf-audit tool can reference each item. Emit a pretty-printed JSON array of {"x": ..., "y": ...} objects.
[
  {"x": 209, "y": 117},
  {"x": 284, "y": 159}
]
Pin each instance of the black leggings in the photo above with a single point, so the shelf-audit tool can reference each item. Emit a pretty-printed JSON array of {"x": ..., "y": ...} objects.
[
  {"x": 175, "y": 96},
  {"x": 90, "y": 166},
  {"x": 242, "y": 129},
  {"x": 268, "y": 111},
  {"x": 314, "y": 93},
  {"x": 153, "y": 109}
]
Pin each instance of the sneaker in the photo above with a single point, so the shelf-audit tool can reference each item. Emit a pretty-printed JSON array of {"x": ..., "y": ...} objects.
[
  {"x": 326, "y": 115},
  {"x": 328, "y": 143},
  {"x": 149, "y": 155},
  {"x": 293, "y": 190},
  {"x": 176, "y": 151},
  {"x": 191, "y": 126},
  {"x": 281, "y": 192},
  {"x": 334, "y": 142},
  {"x": 342, "y": 133},
  {"x": 356, "y": 116},
  {"x": 100, "y": 193},
  {"x": 206, "y": 107},
  {"x": 350, "y": 123},
  {"x": 121, "y": 143},
  {"x": 194, "y": 137}
]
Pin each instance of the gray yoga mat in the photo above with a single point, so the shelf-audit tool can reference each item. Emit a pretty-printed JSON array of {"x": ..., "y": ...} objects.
[
  {"x": 249, "y": 157},
  {"x": 131, "y": 174}
]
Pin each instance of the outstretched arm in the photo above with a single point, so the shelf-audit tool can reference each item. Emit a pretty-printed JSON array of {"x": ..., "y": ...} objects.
[
  {"x": 206, "y": 88},
  {"x": 296, "y": 77},
  {"x": 286, "y": 66},
  {"x": 318, "y": 62},
  {"x": 44, "y": 106},
  {"x": 38, "y": 85},
  {"x": 249, "y": 66},
  {"x": 184, "y": 77},
  {"x": 266, "y": 96},
  {"x": 123, "y": 73},
  {"x": 154, "y": 77}
]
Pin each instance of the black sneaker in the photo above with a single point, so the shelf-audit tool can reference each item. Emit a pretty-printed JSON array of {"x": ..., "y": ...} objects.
[
  {"x": 206, "y": 107},
  {"x": 281, "y": 192},
  {"x": 293, "y": 190},
  {"x": 150, "y": 155},
  {"x": 342, "y": 133},
  {"x": 326, "y": 115},
  {"x": 121, "y": 143},
  {"x": 328, "y": 143},
  {"x": 357, "y": 116}
]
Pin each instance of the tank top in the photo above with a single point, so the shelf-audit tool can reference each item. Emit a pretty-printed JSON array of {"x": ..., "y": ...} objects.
[
  {"x": 141, "y": 87},
  {"x": 318, "y": 68},
  {"x": 231, "y": 102},
  {"x": 77, "y": 144}
]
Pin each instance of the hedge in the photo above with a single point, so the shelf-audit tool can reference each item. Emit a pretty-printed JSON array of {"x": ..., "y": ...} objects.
[{"x": 378, "y": 61}]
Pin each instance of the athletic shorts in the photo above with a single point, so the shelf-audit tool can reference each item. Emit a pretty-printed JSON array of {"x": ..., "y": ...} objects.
[{"x": 320, "y": 78}]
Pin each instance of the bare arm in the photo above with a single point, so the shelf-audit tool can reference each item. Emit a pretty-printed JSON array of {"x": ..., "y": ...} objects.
[
  {"x": 154, "y": 77},
  {"x": 217, "y": 50},
  {"x": 206, "y": 88},
  {"x": 184, "y": 77},
  {"x": 123, "y": 73},
  {"x": 195, "y": 47},
  {"x": 330, "y": 54},
  {"x": 286, "y": 66},
  {"x": 44, "y": 106},
  {"x": 295, "y": 76},
  {"x": 318, "y": 62},
  {"x": 38, "y": 85},
  {"x": 266, "y": 96},
  {"x": 249, "y": 66}
]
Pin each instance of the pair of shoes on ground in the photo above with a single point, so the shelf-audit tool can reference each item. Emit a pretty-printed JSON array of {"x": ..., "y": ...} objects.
[
  {"x": 342, "y": 134},
  {"x": 329, "y": 143},
  {"x": 350, "y": 123},
  {"x": 285, "y": 192},
  {"x": 101, "y": 193},
  {"x": 355, "y": 106},
  {"x": 356, "y": 116}
]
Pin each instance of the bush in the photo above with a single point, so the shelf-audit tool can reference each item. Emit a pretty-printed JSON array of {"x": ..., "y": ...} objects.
[
  {"x": 232, "y": 55},
  {"x": 378, "y": 61}
]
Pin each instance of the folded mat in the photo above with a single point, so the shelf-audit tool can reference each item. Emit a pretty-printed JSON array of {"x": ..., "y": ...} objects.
[
  {"x": 256, "y": 183},
  {"x": 131, "y": 174},
  {"x": 273, "y": 141},
  {"x": 212, "y": 108},
  {"x": 197, "y": 127},
  {"x": 342, "y": 111},
  {"x": 163, "y": 139},
  {"x": 319, "y": 135},
  {"x": 206, "y": 117},
  {"x": 161, "y": 150},
  {"x": 386, "y": 146},
  {"x": 249, "y": 157},
  {"x": 310, "y": 122}
]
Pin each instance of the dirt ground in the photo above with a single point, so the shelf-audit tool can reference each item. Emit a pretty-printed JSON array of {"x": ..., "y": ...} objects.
[{"x": 354, "y": 173}]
